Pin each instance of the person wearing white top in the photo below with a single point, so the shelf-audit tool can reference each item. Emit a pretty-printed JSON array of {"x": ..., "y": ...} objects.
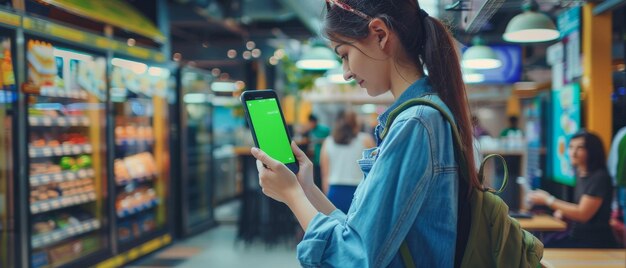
[{"x": 341, "y": 173}]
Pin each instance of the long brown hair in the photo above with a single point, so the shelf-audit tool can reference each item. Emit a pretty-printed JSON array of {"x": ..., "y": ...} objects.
[
  {"x": 429, "y": 45},
  {"x": 345, "y": 128}
]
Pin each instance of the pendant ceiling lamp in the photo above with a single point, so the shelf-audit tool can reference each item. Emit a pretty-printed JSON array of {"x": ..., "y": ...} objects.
[
  {"x": 531, "y": 26},
  {"x": 480, "y": 56},
  {"x": 318, "y": 58}
]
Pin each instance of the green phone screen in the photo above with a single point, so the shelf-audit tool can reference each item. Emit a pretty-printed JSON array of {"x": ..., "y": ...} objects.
[{"x": 269, "y": 129}]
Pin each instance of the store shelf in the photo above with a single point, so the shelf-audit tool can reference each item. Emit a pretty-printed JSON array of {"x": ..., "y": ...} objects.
[
  {"x": 64, "y": 121},
  {"x": 62, "y": 93},
  {"x": 42, "y": 179},
  {"x": 62, "y": 202},
  {"x": 46, "y": 239},
  {"x": 129, "y": 212},
  {"x": 134, "y": 142},
  {"x": 135, "y": 180},
  {"x": 47, "y": 151}
]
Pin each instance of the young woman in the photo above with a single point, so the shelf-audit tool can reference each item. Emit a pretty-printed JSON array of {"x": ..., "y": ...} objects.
[
  {"x": 593, "y": 195},
  {"x": 340, "y": 152},
  {"x": 411, "y": 191}
]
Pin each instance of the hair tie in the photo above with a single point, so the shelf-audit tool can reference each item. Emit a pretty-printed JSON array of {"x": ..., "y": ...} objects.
[{"x": 423, "y": 13}]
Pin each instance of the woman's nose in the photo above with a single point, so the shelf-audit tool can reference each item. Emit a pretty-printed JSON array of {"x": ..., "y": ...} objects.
[{"x": 347, "y": 75}]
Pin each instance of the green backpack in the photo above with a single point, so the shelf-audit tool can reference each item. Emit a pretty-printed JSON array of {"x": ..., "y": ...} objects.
[{"x": 495, "y": 239}]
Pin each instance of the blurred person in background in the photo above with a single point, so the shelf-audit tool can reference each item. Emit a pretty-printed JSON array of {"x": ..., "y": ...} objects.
[
  {"x": 593, "y": 195},
  {"x": 339, "y": 159},
  {"x": 512, "y": 130},
  {"x": 315, "y": 135}
]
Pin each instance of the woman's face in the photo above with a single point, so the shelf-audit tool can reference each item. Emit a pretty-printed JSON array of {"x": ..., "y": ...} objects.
[
  {"x": 366, "y": 63},
  {"x": 577, "y": 152}
]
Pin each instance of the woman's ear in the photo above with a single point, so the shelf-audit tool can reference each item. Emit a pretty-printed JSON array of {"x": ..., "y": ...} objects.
[{"x": 379, "y": 29}]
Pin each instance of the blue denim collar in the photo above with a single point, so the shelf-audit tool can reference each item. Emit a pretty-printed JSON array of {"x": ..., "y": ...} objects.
[{"x": 418, "y": 89}]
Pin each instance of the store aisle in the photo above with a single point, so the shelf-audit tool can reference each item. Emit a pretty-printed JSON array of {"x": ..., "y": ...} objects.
[{"x": 219, "y": 248}]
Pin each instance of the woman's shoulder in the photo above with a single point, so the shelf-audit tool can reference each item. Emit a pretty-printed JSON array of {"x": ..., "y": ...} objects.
[
  {"x": 424, "y": 113},
  {"x": 601, "y": 173}
]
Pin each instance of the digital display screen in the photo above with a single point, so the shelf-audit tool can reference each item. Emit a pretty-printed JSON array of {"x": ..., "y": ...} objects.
[{"x": 270, "y": 131}]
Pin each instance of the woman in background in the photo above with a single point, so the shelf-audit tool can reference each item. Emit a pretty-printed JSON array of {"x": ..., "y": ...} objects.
[
  {"x": 592, "y": 196},
  {"x": 339, "y": 157}
]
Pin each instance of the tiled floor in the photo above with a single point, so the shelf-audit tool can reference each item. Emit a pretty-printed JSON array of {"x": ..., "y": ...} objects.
[{"x": 219, "y": 248}]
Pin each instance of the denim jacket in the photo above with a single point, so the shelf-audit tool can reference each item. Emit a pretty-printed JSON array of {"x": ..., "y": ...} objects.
[{"x": 409, "y": 192}]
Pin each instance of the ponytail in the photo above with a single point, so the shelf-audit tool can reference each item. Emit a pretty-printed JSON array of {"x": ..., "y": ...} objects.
[{"x": 440, "y": 58}]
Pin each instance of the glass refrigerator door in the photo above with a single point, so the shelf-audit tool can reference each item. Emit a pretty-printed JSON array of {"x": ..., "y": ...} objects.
[
  {"x": 7, "y": 106},
  {"x": 197, "y": 151},
  {"x": 142, "y": 162},
  {"x": 67, "y": 154}
]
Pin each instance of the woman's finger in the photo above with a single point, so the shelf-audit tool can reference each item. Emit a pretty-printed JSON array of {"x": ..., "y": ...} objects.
[
  {"x": 270, "y": 162},
  {"x": 259, "y": 165}
]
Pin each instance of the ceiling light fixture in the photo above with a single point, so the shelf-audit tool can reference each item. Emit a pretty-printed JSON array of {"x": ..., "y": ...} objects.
[
  {"x": 318, "y": 58},
  {"x": 480, "y": 56},
  {"x": 531, "y": 26}
]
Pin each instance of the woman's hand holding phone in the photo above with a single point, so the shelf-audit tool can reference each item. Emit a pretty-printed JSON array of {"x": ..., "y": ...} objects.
[{"x": 280, "y": 183}]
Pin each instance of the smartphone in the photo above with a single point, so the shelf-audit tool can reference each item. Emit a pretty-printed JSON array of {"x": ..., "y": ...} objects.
[{"x": 268, "y": 126}]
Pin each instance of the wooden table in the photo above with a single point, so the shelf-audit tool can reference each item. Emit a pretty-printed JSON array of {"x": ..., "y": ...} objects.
[
  {"x": 543, "y": 223},
  {"x": 601, "y": 258}
]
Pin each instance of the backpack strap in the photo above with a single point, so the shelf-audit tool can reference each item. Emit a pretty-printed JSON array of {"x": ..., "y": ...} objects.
[
  {"x": 459, "y": 153},
  {"x": 481, "y": 175},
  {"x": 405, "y": 253},
  {"x": 460, "y": 156}
]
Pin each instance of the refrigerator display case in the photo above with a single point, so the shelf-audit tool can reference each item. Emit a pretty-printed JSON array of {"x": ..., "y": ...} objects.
[
  {"x": 142, "y": 151},
  {"x": 7, "y": 108},
  {"x": 67, "y": 154},
  {"x": 196, "y": 187}
]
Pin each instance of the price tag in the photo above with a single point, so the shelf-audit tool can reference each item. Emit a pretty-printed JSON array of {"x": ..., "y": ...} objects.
[
  {"x": 32, "y": 152},
  {"x": 85, "y": 121},
  {"x": 73, "y": 121},
  {"x": 71, "y": 231},
  {"x": 45, "y": 179},
  {"x": 46, "y": 239},
  {"x": 91, "y": 173},
  {"x": 58, "y": 151},
  {"x": 47, "y": 151},
  {"x": 76, "y": 149},
  {"x": 67, "y": 149},
  {"x": 82, "y": 173},
  {"x": 61, "y": 121},
  {"x": 58, "y": 177},
  {"x": 45, "y": 207},
  {"x": 55, "y": 204},
  {"x": 34, "y": 208},
  {"x": 70, "y": 176},
  {"x": 32, "y": 121}
]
